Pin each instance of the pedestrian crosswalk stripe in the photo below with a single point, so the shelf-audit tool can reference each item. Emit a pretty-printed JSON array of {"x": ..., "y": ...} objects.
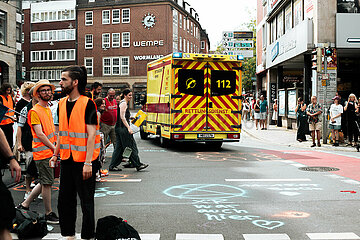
[
  {"x": 120, "y": 180},
  {"x": 329, "y": 236},
  {"x": 266, "y": 237},
  {"x": 199, "y": 237},
  {"x": 150, "y": 236},
  {"x": 56, "y": 236}
]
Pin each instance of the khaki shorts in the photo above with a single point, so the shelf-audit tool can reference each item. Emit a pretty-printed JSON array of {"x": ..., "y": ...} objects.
[
  {"x": 315, "y": 126},
  {"x": 46, "y": 173}
]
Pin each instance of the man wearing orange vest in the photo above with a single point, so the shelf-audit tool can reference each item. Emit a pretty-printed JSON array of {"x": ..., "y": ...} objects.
[
  {"x": 43, "y": 146},
  {"x": 79, "y": 147},
  {"x": 8, "y": 121}
]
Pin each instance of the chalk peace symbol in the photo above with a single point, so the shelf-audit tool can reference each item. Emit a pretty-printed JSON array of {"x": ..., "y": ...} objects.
[{"x": 204, "y": 191}]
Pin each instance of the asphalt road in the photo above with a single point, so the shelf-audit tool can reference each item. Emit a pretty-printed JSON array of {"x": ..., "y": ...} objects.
[{"x": 250, "y": 190}]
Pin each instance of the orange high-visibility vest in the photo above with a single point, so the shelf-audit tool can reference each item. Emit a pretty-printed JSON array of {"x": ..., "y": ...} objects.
[
  {"x": 40, "y": 150},
  {"x": 7, "y": 102},
  {"x": 73, "y": 134}
]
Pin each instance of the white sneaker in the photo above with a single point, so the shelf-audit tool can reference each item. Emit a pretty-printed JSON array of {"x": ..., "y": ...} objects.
[
  {"x": 27, "y": 194},
  {"x": 40, "y": 196}
]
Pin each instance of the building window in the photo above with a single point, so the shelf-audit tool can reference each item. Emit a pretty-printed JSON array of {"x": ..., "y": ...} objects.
[
  {"x": 53, "y": 55},
  {"x": 191, "y": 47},
  {"x": 184, "y": 46},
  {"x": 298, "y": 12},
  {"x": 43, "y": 74},
  {"x": 126, "y": 15},
  {"x": 273, "y": 31},
  {"x": 3, "y": 29},
  {"x": 115, "y": 67},
  {"x": 125, "y": 69},
  {"x": 88, "y": 41},
  {"x": 180, "y": 21},
  {"x": 50, "y": 16},
  {"x": 116, "y": 40},
  {"x": 264, "y": 36},
  {"x": 106, "y": 66},
  {"x": 125, "y": 39},
  {"x": 202, "y": 44},
  {"x": 180, "y": 44},
  {"x": 34, "y": 75},
  {"x": 106, "y": 17},
  {"x": 106, "y": 40},
  {"x": 18, "y": 32},
  {"x": 288, "y": 18},
  {"x": 51, "y": 75},
  {"x": 88, "y": 18},
  {"x": 88, "y": 62},
  {"x": 280, "y": 24},
  {"x": 53, "y": 35},
  {"x": 58, "y": 74},
  {"x": 116, "y": 16},
  {"x": 188, "y": 46}
]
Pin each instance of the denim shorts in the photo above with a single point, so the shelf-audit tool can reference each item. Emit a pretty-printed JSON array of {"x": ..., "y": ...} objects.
[{"x": 335, "y": 127}]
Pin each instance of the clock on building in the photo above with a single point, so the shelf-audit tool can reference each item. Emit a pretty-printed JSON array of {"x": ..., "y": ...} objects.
[{"x": 149, "y": 21}]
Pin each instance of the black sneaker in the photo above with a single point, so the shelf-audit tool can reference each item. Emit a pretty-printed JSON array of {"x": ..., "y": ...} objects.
[
  {"x": 52, "y": 218},
  {"x": 142, "y": 166},
  {"x": 128, "y": 165},
  {"x": 20, "y": 206}
]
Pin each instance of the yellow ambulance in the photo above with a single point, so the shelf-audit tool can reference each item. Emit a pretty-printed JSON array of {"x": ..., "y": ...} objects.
[{"x": 194, "y": 97}]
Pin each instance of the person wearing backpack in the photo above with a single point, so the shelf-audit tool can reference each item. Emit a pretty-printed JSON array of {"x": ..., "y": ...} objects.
[{"x": 7, "y": 207}]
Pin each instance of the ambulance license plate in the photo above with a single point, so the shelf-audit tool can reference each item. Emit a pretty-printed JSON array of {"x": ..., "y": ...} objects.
[{"x": 206, "y": 135}]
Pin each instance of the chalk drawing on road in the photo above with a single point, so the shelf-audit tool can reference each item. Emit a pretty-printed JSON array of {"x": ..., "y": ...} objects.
[
  {"x": 204, "y": 191},
  {"x": 105, "y": 191}
]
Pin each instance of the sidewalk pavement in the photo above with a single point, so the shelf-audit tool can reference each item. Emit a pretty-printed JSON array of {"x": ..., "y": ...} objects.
[{"x": 287, "y": 137}]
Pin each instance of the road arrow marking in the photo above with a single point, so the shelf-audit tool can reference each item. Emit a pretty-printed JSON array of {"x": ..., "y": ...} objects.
[{"x": 290, "y": 194}]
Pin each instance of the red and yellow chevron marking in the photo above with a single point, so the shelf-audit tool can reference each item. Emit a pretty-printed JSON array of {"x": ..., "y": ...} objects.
[{"x": 195, "y": 118}]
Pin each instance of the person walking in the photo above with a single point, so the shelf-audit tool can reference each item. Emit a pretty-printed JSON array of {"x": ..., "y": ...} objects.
[
  {"x": 246, "y": 109},
  {"x": 257, "y": 113},
  {"x": 314, "y": 112},
  {"x": 336, "y": 110},
  {"x": 350, "y": 107},
  {"x": 95, "y": 90},
  {"x": 43, "y": 146},
  {"x": 125, "y": 137},
  {"x": 275, "y": 113},
  {"x": 264, "y": 111},
  {"x": 79, "y": 148},
  {"x": 8, "y": 121},
  {"x": 7, "y": 208},
  {"x": 301, "y": 120},
  {"x": 108, "y": 117}
]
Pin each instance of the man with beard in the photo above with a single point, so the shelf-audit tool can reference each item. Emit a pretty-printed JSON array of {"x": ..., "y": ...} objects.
[
  {"x": 95, "y": 91},
  {"x": 79, "y": 147},
  {"x": 108, "y": 117},
  {"x": 43, "y": 146}
]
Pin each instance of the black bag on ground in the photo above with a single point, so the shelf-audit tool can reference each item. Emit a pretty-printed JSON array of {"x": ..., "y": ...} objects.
[
  {"x": 114, "y": 228},
  {"x": 29, "y": 224}
]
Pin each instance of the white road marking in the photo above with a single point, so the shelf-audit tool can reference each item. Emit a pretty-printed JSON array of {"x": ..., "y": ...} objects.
[
  {"x": 298, "y": 165},
  {"x": 56, "y": 236},
  {"x": 199, "y": 237},
  {"x": 290, "y": 194},
  {"x": 270, "y": 180},
  {"x": 266, "y": 237},
  {"x": 351, "y": 182},
  {"x": 335, "y": 236},
  {"x": 120, "y": 180}
]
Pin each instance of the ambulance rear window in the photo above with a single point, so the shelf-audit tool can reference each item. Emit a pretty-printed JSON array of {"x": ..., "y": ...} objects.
[
  {"x": 191, "y": 82},
  {"x": 223, "y": 82}
]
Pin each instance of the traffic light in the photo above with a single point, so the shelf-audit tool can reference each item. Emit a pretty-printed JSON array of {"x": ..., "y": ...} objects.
[
  {"x": 317, "y": 59},
  {"x": 329, "y": 51}
]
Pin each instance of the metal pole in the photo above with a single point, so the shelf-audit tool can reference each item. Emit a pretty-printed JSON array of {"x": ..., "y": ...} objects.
[{"x": 324, "y": 135}]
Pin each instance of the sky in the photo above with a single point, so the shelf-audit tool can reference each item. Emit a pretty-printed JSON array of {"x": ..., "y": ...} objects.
[{"x": 226, "y": 15}]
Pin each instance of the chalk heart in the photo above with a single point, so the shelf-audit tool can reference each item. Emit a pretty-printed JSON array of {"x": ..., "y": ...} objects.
[
  {"x": 290, "y": 194},
  {"x": 268, "y": 224}
]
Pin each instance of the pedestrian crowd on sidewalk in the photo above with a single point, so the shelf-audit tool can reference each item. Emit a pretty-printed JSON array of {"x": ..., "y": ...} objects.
[
  {"x": 63, "y": 137},
  {"x": 343, "y": 118}
]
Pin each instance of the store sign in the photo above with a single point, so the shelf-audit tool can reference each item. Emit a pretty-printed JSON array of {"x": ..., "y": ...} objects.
[
  {"x": 292, "y": 79},
  {"x": 155, "y": 43},
  {"x": 275, "y": 51},
  {"x": 147, "y": 57}
]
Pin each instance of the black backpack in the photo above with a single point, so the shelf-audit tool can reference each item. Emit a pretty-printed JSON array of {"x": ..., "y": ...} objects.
[
  {"x": 29, "y": 224},
  {"x": 113, "y": 228}
]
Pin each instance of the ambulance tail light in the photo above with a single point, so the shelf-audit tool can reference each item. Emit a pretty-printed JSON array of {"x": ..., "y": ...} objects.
[
  {"x": 240, "y": 57},
  {"x": 178, "y": 136},
  {"x": 233, "y": 136},
  {"x": 177, "y": 55}
]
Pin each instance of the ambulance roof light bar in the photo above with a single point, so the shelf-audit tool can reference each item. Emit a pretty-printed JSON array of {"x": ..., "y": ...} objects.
[
  {"x": 240, "y": 57},
  {"x": 177, "y": 55}
]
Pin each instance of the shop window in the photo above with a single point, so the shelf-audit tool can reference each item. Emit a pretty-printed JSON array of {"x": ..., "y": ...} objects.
[
  {"x": 106, "y": 17},
  {"x": 126, "y": 15},
  {"x": 191, "y": 82},
  {"x": 88, "y": 18},
  {"x": 223, "y": 82}
]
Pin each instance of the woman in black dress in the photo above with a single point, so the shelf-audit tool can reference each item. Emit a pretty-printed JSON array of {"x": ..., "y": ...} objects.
[
  {"x": 301, "y": 120},
  {"x": 124, "y": 135},
  {"x": 350, "y": 108}
]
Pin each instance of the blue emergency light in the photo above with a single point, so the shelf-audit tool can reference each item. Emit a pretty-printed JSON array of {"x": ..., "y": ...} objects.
[
  {"x": 177, "y": 55},
  {"x": 240, "y": 57}
]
